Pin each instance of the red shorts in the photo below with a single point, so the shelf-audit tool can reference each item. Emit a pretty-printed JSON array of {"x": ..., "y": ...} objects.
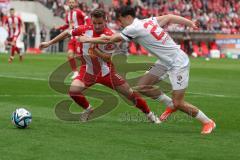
[
  {"x": 73, "y": 45},
  {"x": 111, "y": 80}
]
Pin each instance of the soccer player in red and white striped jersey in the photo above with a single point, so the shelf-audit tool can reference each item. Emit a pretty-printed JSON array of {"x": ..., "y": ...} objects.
[
  {"x": 14, "y": 26},
  {"x": 74, "y": 18},
  {"x": 99, "y": 68}
]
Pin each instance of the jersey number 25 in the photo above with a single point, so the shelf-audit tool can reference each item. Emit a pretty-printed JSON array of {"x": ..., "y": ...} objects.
[{"x": 153, "y": 30}]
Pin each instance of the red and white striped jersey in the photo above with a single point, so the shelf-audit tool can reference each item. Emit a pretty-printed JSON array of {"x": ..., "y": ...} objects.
[
  {"x": 14, "y": 24},
  {"x": 95, "y": 65},
  {"x": 74, "y": 18}
]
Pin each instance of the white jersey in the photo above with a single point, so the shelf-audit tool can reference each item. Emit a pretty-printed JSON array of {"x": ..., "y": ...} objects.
[{"x": 152, "y": 37}]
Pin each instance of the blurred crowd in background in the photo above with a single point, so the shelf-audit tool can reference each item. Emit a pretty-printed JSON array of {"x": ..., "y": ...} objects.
[{"x": 212, "y": 15}]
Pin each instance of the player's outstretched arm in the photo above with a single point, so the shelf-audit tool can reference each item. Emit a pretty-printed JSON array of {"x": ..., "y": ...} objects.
[
  {"x": 102, "y": 40},
  {"x": 97, "y": 40},
  {"x": 170, "y": 18},
  {"x": 60, "y": 37},
  {"x": 115, "y": 38}
]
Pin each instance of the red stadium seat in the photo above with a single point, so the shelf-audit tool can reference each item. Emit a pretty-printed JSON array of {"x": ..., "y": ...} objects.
[
  {"x": 143, "y": 51},
  {"x": 196, "y": 50},
  {"x": 132, "y": 48},
  {"x": 204, "y": 47},
  {"x": 213, "y": 45}
]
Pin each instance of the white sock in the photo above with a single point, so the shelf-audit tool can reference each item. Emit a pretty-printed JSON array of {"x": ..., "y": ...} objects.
[
  {"x": 149, "y": 114},
  {"x": 166, "y": 100},
  {"x": 202, "y": 117},
  {"x": 89, "y": 108}
]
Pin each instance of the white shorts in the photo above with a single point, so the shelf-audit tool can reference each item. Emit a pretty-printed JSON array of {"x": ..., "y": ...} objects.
[{"x": 179, "y": 76}]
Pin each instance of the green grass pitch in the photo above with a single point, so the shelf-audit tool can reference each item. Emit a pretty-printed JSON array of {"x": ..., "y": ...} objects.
[{"x": 214, "y": 87}]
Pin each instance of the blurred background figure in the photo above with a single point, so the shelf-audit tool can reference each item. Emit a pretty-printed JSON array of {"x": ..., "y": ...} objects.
[
  {"x": 15, "y": 27},
  {"x": 43, "y": 33}
]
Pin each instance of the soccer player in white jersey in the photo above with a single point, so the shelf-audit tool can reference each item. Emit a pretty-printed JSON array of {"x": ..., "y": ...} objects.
[{"x": 172, "y": 61}]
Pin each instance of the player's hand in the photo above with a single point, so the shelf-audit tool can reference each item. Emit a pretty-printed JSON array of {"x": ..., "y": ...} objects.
[
  {"x": 195, "y": 25},
  {"x": 105, "y": 38},
  {"x": 13, "y": 43},
  {"x": 44, "y": 45}
]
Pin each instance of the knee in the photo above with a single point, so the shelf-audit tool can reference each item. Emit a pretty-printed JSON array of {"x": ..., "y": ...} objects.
[
  {"x": 74, "y": 90},
  {"x": 70, "y": 55},
  {"x": 178, "y": 104},
  {"x": 141, "y": 89}
]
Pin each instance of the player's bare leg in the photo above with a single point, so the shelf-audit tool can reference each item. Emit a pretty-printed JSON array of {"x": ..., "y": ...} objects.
[
  {"x": 75, "y": 92},
  {"x": 191, "y": 110},
  {"x": 155, "y": 93},
  {"x": 20, "y": 57},
  {"x": 138, "y": 101},
  {"x": 72, "y": 62}
]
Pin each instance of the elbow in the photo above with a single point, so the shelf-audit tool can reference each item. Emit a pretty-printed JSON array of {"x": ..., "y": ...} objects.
[
  {"x": 66, "y": 33},
  {"x": 169, "y": 17}
]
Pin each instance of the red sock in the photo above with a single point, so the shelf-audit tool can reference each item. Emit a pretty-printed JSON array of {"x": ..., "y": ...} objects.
[
  {"x": 12, "y": 51},
  {"x": 80, "y": 99},
  {"x": 72, "y": 63},
  {"x": 139, "y": 102},
  {"x": 17, "y": 49}
]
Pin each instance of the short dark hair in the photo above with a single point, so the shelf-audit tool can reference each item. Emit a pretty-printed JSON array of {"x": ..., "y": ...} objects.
[
  {"x": 125, "y": 11},
  {"x": 12, "y": 9},
  {"x": 98, "y": 13}
]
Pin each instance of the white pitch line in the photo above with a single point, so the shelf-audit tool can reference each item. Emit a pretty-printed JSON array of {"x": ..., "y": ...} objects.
[
  {"x": 27, "y": 78},
  {"x": 42, "y": 79},
  {"x": 207, "y": 94},
  {"x": 32, "y": 95}
]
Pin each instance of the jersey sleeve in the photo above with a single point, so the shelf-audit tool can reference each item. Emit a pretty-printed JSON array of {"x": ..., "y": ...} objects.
[
  {"x": 80, "y": 17},
  {"x": 78, "y": 31},
  {"x": 20, "y": 20},
  {"x": 81, "y": 14},
  {"x": 129, "y": 33},
  {"x": 66, "y": 25}
]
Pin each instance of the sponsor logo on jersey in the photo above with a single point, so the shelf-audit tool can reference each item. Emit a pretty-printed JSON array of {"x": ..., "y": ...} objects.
[{"x": 109, "y": 47}]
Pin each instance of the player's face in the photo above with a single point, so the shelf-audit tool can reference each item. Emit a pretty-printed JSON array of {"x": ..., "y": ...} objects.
[
  {"x": 72, "y": 4},
  {"x": 98, "y": 24},
  {"x": 12, "y": 12},
  {"x": 124, "y": 21}
]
